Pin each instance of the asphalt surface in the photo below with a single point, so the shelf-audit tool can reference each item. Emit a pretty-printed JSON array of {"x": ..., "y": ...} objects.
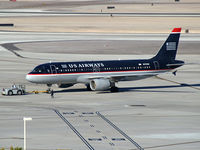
[
  {"x": 159, "y": 113},
  {"x": 86, "y": 43},
  {"x": 155, "y": 113}
]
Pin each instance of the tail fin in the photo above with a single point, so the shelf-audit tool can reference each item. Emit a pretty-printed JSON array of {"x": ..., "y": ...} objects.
[{"x": 169, "y": 48}]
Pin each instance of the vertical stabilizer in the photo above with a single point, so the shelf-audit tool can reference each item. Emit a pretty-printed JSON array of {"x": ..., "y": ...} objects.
[{"x": 169, "y": 48}]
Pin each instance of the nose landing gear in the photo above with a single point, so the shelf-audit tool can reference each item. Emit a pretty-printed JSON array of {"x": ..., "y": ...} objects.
[{"x": 49, "y": 88}]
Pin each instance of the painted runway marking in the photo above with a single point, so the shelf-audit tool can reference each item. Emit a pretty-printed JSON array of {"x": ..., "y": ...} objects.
[
  {"x": 75, "y": 131},
  {"x": 97, "y": 131},
  {"x": 120, "y": 131}
]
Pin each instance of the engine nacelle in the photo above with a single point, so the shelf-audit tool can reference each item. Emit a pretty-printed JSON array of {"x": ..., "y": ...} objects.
[
  {"x": 64, "y": 85},
  {"x": 99, "y": 84}
]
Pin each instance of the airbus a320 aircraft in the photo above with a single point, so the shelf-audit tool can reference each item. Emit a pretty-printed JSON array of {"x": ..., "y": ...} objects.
[{"x": 102, "y": 75}]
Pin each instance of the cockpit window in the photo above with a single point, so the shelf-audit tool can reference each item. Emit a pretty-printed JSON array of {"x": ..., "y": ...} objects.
[{"x": 39, "y": 69}]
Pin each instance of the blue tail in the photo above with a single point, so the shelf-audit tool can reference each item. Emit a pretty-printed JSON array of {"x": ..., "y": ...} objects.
[{"x": 168, "y": 50}]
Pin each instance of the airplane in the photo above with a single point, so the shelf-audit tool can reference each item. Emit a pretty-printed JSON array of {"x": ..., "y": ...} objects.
[{"x": 103, "y": 75}]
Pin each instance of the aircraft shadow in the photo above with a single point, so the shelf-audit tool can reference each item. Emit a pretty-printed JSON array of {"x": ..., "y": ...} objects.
[
  {"x": 140, "y": 89},
  {"x": 154, "y": 88},
  {"x": 70, "y": 90}
]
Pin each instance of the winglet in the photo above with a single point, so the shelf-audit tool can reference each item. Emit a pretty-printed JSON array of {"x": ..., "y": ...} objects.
[{"x": 176, "y": 30}]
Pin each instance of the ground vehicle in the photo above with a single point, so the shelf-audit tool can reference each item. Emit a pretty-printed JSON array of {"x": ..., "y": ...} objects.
[{"x": 14, "y": 90}]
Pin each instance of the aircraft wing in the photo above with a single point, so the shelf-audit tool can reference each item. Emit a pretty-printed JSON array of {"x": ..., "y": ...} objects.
[{"x": 123, "y": 77}]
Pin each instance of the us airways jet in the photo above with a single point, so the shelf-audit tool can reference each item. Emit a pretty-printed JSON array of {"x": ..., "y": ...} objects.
[{"x": 102, "y": 75}]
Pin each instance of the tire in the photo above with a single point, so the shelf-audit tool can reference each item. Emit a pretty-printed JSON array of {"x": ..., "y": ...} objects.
[
  {"x": 48, "y": 91},
  {"x": 10, "y": 93},
  {"x": 19, "y": 92},
  {"x": 88, "y": 87},
  {"x": 114, "y": 89}
]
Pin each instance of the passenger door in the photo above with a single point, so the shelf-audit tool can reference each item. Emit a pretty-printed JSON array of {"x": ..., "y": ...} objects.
[
  {"x": 53, "y": 69},
  {"x": 156, "y": 65},
  {"x": 96, "y": 69}
]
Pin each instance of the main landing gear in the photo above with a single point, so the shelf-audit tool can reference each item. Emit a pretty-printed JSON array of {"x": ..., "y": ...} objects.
[
  {"x": 88, "y": 87},
  {"x": 113, "y": 87}
]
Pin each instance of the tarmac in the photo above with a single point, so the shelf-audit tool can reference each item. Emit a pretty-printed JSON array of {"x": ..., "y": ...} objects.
[{"x": 156, "y": 113}]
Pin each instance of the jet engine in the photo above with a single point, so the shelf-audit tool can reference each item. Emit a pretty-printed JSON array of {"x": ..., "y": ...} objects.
[
  {"x": 99, "y": 84},
  {"x": 64, "y": 85}
]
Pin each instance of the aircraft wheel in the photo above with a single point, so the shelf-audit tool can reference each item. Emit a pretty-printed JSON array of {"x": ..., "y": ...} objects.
[
  {"x": 49, "y": 88},
  {"x": 114, "y": 89},
  {"x": 88, "y": 87}
]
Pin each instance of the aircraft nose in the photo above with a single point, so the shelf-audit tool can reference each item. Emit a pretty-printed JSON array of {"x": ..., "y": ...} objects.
[
  {"x": 29, "y": 78},
  {"x": 35, "y": 79}
]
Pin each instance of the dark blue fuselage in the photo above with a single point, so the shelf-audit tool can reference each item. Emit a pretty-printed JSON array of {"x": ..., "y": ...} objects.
[{"x": 101, "y": 75}]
